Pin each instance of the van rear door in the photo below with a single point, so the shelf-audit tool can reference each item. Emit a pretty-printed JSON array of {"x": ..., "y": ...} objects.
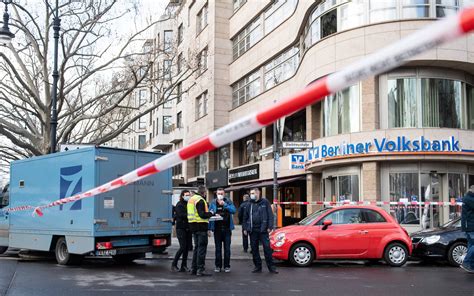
[{"x": 116, "y": 209}]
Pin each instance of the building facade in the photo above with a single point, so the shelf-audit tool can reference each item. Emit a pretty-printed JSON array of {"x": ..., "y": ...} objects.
[{"x": 406, "y": 135}]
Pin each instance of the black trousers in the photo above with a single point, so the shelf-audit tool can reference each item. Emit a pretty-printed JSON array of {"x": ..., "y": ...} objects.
[
  {"x": 222, "y": 237},
  {"x": 264, "y": 239},
  {"x": 245, "y": 240},
  {"x": 185, "y": 241},
  {"x": 200, "y": 249}
]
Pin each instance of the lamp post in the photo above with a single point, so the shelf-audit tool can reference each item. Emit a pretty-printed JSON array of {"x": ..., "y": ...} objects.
[
  {"x": 5, "y": 35},
  {"x": 54, "y": 88}
]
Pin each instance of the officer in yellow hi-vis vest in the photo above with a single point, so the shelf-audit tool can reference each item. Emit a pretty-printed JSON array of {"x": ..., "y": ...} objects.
[{"x": 198, "y": 219}]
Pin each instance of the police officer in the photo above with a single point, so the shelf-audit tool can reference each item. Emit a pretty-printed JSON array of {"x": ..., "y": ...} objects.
[{"x": 198, "y": 219}]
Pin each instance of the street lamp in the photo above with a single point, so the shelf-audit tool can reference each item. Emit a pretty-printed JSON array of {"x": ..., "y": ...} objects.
[{"x": 5, "y": 35}]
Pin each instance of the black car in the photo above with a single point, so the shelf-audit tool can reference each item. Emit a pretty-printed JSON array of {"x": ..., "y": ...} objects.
[{"x": 447, "y": 242}]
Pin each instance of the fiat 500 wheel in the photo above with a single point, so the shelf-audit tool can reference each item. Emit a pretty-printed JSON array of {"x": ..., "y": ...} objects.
[
  {"x": 396, "y": 254},
  {"x": 301, "y": 255}
]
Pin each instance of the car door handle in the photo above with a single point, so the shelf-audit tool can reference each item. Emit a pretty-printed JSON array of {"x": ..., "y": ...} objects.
[{"x": 363, "y": 231}]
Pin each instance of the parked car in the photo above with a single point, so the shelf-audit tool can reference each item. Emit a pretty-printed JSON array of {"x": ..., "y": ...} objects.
[
  {"x": 447, "y": 242},
  {"x": 348, "y": 232}
]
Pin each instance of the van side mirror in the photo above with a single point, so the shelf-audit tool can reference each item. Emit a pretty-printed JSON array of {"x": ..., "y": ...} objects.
[{"x": 326, "y": 224}]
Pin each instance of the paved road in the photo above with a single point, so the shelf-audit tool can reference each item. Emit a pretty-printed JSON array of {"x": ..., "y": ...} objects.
[{"x": 152, "y": 276}]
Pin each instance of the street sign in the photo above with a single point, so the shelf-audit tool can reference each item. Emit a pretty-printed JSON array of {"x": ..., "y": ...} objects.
[
  {"x": 265, "y": 151},
  {"x": 68, "y": 147},
  {"x": 297, "y": 161},
  {"x": 298, "y": 145},
  {"x": 277, "y": 163}
]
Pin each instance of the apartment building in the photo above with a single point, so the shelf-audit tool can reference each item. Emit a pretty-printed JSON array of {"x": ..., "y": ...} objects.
[{"x": 405, "y": 135}]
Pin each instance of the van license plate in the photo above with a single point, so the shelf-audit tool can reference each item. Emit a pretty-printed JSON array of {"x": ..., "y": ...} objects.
[{"x": 106, "y": 252}]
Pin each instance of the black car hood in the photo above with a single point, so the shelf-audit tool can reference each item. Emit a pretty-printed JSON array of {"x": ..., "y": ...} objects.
[{"x": 434, "y": 231}]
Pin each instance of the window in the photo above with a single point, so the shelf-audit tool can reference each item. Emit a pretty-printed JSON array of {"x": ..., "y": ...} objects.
[
  {"x": 167, "y": 69},
  {"x": 446, "y": 7},
  {"x": 168, "y": 41},
  {"x": 168, "y": 104},
  {"x": 246, "y": 89},
  {"x": 167, "y": 124},
  {"x": 238, "y": 3},
  {"x": 201, "y": 105},
  {"x": 441, "y": 101},
  {"x": 329, "y": 23},
  {"x": 278, "y": 12},
  {"x": 180, "y": 63},
  {"x": 4, "y": 197},
  {"x": 179, "y": 93},
  {"x": 177, "y": 170},
  {"x": 294, "y": 130},
  {"x": 415, "y": 8},
  {"x": 341, "y": 112},
  {"x": 179, "y": 120},
  {"x": 142, "y": 97},
  {"x": 346, "y": 216},
  {"x": 200, "y": 165},
  {"x": 281, "y": 68},
  {"x": 382, "y": 10},
  {"x": 223, "y": 158},
  {"x": 202, "y": 18},
  {"x": 457, "y": 187},
  {"x": 180, "y": 33},
  {"x": 470, "y": 107},
  {"x": 150, "y": 120},
  {"x": 352, "y": 15},
  {"x": 202, "y": 60},
  {"x": 403, "y": 187},
  {"x": 402, "y": 102},
  {"x": 141, "y": 141},
  {"x": 142, "y": 122},
  {"x": 348, "y": 188},
  {"x": 247, "y": 38},
  {"x": 371, "y": 216},
  {"x": 248, "y": 149}
]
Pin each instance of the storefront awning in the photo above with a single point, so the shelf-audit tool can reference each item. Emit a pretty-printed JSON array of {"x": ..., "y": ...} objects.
[{"x": 265, "y": 183}]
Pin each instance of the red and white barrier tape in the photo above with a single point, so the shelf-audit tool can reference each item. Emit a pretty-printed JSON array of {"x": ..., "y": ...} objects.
[
  {"x": 370, "y": 203},
  {"x": 388, "y": 58}
]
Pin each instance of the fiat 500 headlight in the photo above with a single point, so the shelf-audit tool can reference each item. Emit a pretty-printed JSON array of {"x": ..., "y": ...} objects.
[
  {"x": 280, "y": 239},
  {"x": 431, "y": 239}
]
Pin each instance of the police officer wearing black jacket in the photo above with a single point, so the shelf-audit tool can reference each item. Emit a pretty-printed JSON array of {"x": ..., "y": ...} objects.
[
  {"x": 258, "y": 222},
  {"x": 182, "y": 232},
  {"x": 467, "y": 225}
]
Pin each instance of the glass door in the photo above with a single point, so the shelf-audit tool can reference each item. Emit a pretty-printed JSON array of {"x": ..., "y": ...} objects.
[
  {"x": 430, "y": 190},
  {"x": 341, "y": 188}
]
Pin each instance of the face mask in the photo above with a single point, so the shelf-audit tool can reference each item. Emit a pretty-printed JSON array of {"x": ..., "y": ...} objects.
[
  {"x": 253, "y": 197},
  {"x": 186, "y": 197},
  {"x": 220, "y": 196}
]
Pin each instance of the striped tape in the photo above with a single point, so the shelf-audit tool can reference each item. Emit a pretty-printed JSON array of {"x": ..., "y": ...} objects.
[
  {"x": 388, "y": 58},
  {"x": 370, "y": 203}
]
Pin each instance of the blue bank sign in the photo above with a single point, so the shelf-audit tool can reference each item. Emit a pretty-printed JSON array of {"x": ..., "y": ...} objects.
[{"x": 400, "y": 144}]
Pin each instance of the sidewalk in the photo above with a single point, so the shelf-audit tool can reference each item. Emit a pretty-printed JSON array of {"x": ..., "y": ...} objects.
[{"x": 236, "y": 249}]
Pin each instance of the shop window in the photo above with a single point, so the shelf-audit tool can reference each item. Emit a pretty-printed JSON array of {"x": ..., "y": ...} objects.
[
  {"x": 341, "y": 112},
  {"x": 341, "y": 188},
  {"x": 403, "y": 187},
  {"x": 457, "y": 188},
  {"x": 223, "y": 157},
  {"x": 402, "y": 102},
  {"x": 441, "y": 103},
  {"x": 248, "y": 149},
  {"x": 431, "y": 190},
  {"x": 200, "y": 165}
]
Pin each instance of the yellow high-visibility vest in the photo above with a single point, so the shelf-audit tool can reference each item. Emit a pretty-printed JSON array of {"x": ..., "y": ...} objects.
[{"x": 193, "y": 215}]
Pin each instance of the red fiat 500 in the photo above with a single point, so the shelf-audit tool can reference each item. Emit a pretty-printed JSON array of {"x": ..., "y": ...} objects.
[{"x": 348, "y": 232}]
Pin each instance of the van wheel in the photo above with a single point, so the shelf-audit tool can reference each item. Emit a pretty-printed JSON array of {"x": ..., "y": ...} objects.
[
  {"x": 301, "y": 255},
  {"x": 128, "y": 258},
  {"x": 456, "y": 254},
  {"x": 3, "y": 250},
  {"x": 396, "y": 254},
  {"x": 62, "y": 254}
]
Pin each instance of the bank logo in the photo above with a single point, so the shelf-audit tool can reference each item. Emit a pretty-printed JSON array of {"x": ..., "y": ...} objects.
[
  {"x": 71, "y": 184},
  {"x": 313, "y": 154},
  {"x": 296, "y": 161}
]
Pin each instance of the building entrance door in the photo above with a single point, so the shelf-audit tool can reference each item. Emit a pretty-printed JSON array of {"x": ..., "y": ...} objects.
[{"x": 431, "y": 191}]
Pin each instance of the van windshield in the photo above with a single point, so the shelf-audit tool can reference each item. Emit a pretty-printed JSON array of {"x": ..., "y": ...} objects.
[{"x": 309, "y": 220}]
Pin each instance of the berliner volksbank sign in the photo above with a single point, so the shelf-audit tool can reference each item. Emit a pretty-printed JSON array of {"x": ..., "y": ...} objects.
[{"x": 383, "y": 145}]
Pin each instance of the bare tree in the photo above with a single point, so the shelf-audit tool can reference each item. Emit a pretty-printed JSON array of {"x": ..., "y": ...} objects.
[{"x": 99, "y": 71}]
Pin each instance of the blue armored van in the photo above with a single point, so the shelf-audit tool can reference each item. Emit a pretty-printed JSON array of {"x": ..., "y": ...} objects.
[{"x": 125, "y": 223}]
